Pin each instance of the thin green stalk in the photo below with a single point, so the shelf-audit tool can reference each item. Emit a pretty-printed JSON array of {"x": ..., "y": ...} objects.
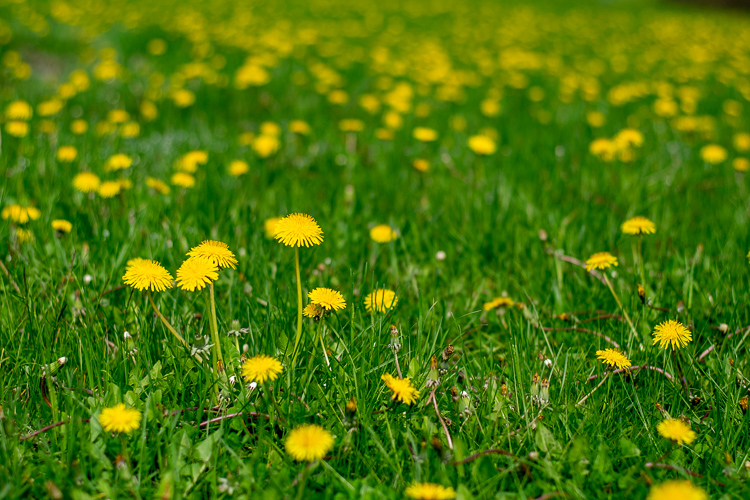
[
  {"x": 166, "y": 323},
  {"x": 215, "y": 328},
  {"x": 303, "y": 481},
  {"x": 601, "y": 383},
  {"x": 299, "y": 306},
  {"x": 320, "y": 335},
  {"x": 640, "y": 260},
  {"x": 624, "y": 313}
]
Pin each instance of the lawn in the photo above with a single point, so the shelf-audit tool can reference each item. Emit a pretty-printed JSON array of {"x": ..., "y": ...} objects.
[{"x": 374, "y": 250}]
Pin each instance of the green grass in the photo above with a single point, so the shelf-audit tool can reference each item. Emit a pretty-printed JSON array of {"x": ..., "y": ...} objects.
[{"x": 502, "y": 220}]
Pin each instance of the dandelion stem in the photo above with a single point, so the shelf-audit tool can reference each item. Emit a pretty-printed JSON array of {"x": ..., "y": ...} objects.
[
  {"x": 215, "y": 328},
  {"x": 680, "y": 374},
  {"x": 617, "y": 299},
  {"x": 440, "y": 417},
  {"x": 320, "y": 334},
  {"x": 166, "y": 323},
  {"x": 299, "y": 306},
  {"x": 604, "y": 379},
  {"x": 303, "y": 481},
  {"x": 641, "y": 262}
]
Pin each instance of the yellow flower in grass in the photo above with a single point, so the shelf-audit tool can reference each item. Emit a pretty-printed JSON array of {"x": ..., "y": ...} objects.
[
  {"x": 672, "y": 333},
  {"x": 383, "y": 233},
  {"x": 66, "y": 154},
  {"x": 601, "y": 260},
  {"x": 17, "y": 128},
  {"x": 24, "y": 235},
  {"x": 19, "y": 110},
  {"x": 498, "y": 302},
  {"x": 613, "y": 357},
  {"x": 296, "y": 230},
  {"x": 351, "y": 125},
  {"x": 120, "y": 419},
  {"x": 741, "y": 141},
  {"x": 22, "y": 215},
  {"x": 109, "y": 189},
  {"x": 313, "y": 311},
  {"x": 86, "y": 182},
  {"x": 125, "y": 184},
  {"x": 216, "y": 251},
  {"x": 330, "y": 300},
  {"x": 266, "y": 145},
  {"x": 190, "y": 161},
  {"x": 676, "y": 490},
  {"x": 183, "y": 180},
  {"x": 430, "y": 491},
  {"x": 269, "y": 226},
  {"x": 144, "y": 274},
  {"x": 604, "y": 148},
  {"x": 157, "y": 185},
  {"x": 401, "y": 388},
  {"x": 261, "y": 368},
  {"x": 638, "y": 225},
  {"x": 425, "y": 134},
  {"x": 238, "y": 167},
  {"x": 676, "y": 430},
  {"x": 380, "y": 300},
  {"x": 299, "y": 127},
  {"x": 62, "y": 226},
  {"x": 482, "y": 145},
  {"x": 308, "y": 443},
  {"x": 195, "y": 273},
  {"x": 421, "y": 165},
  {"x": 79, "y": 127},
  {"x": 741, "y": 164},
  {"x": 118, "y": 162},
  {"x": 713, "y": 154}
]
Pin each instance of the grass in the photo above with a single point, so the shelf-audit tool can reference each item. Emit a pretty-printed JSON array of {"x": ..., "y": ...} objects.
[{"x": 471, "y": 228}]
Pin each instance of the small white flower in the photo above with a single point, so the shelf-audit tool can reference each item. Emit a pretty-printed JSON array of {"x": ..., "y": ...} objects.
[
  {"x": 440, "y": 255},
  {"x": 87, "y": 279},
  {"x": 547, "y": 362}
]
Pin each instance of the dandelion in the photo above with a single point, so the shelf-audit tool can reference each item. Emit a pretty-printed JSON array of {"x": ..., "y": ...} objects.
[
  {"x": 604, "y": 148},
  {"x": 383, "y": 233},
  {"x": 22, "y": 215},
  {"x": 118, "y": 162},
  {"x": 270, "y": 128},
  {"x": 266, "y": 145},
  {"x": 638, "y": 225},
  {"x": 741, "y": 164},
  {"x": 676, "y": 490},
  {"x": 190, "y": 161},
  {"x": 109, "y": 189},
  {"x": 125, "y": 184},
  {"x": 17, "y": 128},
  {"x": 120, "y": 419},
  {"x": 425, "y": 134},
  {"x": 62, "y": 226},
  {"x": 420, "y": 165},
  {"x": 601, "y": 260},
  {"x": 66, "y": 154},
  {"x": 613, "y": 357},
  {"x": 157, "y": 185},
  {"x": 238, "y": 168},
  {"x": 299, "y": 127},
  {"x": 380, "y": 300},
  {"x": 296, "y": 230},
  {"x": 430, "y": 491},
  {"x": 215, "y": 251},
  {"x": 741, "y": 141},
  {"x": 713, "y": 154},
  {"x": 313, "y": 311},
  {"x": 183, "y": 179},
  {"x": 19, "y": 110},
  {"x": 672, "y": 333},
  {"x": 676, "y": 430},
  {"x": 308, "y": 443},
  {"x": 86, "y": 182},
  {"x": 143, "y": 274},
  {"x": 482, "y": 145},
  {"x": 269, "y": 226},
  {"x": 401, "y": 388},
  {"x": 351, "y": 125},
  {"x": 195, "y": 273},
  {"x": 261, "y": 368},
  {"x": 24, "y": 235},
  {"x": 498, "y": 302},
  {"x": 79, "y": 127},
  {"x": 330, "y": 300}
]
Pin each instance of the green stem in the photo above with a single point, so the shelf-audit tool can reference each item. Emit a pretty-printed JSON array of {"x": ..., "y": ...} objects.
[
  {"x": 624, "y": 313},
  {"x": 215, "y": 328},
  {"x": 299, "y": 307},
  {"x": 303, "y": 481},
  {"x": 601, "y": 383},
  {"x": 642, "y": 263},
  {"x": 320, "y": 335},
  {"x": 166, "y": 323}
]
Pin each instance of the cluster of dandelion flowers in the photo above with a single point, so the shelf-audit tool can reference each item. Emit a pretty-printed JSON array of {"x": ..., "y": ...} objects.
[
  {"x": 330, "y": 300},
  {"x": 261, "y": 368},
  {"x": 671, "y": 333},
  {"x": 676, "y": 430},
  {"x": 20, "y": 214},
  {"x": 380, "y": 300},
  {"x": 143, "y": 274},
  {"x": 613, "y": 357},
  {"x": 296, "y": 230},
  {"x": 309, "y": 442},
  {"x": 601, "y": 260},
  {"x": 196, "y": 273},
  {"x": 120, "y": 419},
  {"x": 401, "y": 388},
  {"x": 498, "y": 302},
  {"x": 215, "y": 251},
  {"x": 638, "y": 225},
  {"x": 430, "y": 491},
  {"x": 383, "y": 233},
  {"x": 676, "y": 490}
]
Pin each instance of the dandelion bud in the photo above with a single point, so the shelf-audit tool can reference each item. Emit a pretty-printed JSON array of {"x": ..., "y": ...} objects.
[
  {"x": 723, "y": 328},
  {"x": 351, "y": 406},
  {"x": 743, "y": 404},
  {"x": 642, "y": 294},
  {"x": 245, "y": 348}
]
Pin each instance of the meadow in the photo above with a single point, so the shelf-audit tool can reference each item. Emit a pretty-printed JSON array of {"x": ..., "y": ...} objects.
[{"x": 374, "y": 250}]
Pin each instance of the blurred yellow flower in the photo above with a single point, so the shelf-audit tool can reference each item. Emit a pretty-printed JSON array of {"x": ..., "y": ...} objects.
[
  {"x": 19, "y": 110},
  {"x": 638, "y": 225},
  {"x": 109, "y": 189},
  {"x": 17, "y": 128},
  {"x": 266, "y": 145},
  {"x": 86, "y": 182},
  {"x": 383, "y": 233},
  {"x": 713, "y": 153},
  {"x": 425, "y": 134},
  {"x": 676, "y": 430},
  {"x": 118, "y": 162},
  {"x": 601, "y": 260},
  {"x": 482, "y": 145},
  {"x": 299, "y": 127},
  {"x": 380, "y": 300},
  {"x": 498, "y": 302},
  {"x": 157, "y": 185},
  {"x": 120, "y": 419},
  {"x": 66, "y": 154},
  {"x": 238, "y": 168},
  {"x": 62, "y": 226},
  {"x": 183, "y": 179},
  {"x": 677, "y": 489}
]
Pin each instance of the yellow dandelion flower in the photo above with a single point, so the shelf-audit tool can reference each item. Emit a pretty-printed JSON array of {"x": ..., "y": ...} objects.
[
  {"x": 19, "y": 110},
  {"x": 183, "y": 179},
  {"x": 604, "y": 148},
  {"x": 401, "y": 387},
  {"x": 195, "y": 273},
  {"x": 190, "y": 161},
  {"x": 261, "y": 368},
  {"x": 425, "y": 134},
  {"x": 215, "y": 251},
  {"x": 125, "y": 184},
  {"x": 62, "y": 226},
  {"x": 676, "y": 430},
  {"x": 351, "y": 125},
  {"x": 120, "y": 419},
  {"x": 270, "y": 128},
  {"x": 118, "y": 162},
  {"x": 380, "y": 300},
  {"x": 269, "y": 226},
  {"x": 482, "y": 145},
  {"x": 741, "y": 141},
  {"x": 109, "y": 189},
  {"x": 613, "y": 357},
  {"x": 638, "y": 225},
  {"x": 628, "y": 138},
  {"x": 296, "y": 230},
  {"x": 430, "y": 491},
  {"x": 676, "y": 490},
  {"x": 24, "y": 235},
  {"x": 713, "y": 154},
  {"x": 498, "y": 302},
  {"x": 266, "y": 145},
  {"x": 313, "y": 311},
  {"x": 17, "y": 128},
  {"x": 299, "y": 127},
  {"x": 672, "y": 333},
  {"x": 144, "y": 274},
  {"x": 66, "y": 154},
  {"x": 238, "y": 167},
  {"x": 741, "y": 164},
  {"x": 86, "y": 182},
  {"x": 20, "y": 214},
  {"x": 79, "y": 127},
  {"x": 383, "y": 233},
  {"x": 420, "y": 165},
  {"x": 118, "y": 116},
  {"x": 309, "y": 442},
  {"x": 330, "y": 300},
  {"x": 601, "y": 260},
  {"x": 157, "y": 185}
]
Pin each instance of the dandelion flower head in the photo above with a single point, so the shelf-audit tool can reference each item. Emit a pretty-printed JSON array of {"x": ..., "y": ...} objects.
[
  {"x": 613, "y": 357},
  {"x": 109, "y": 189},
  {"x": 143, "y": 274},
  {"x": 215, "y": 251},
  {"x": 601, "y": 260},
  {"x": 672, "y": 333},
  {"x": 86, "y": 182},
  {"x": 676, "y": 490},
  {"x": 638, "y": 225},
  {"x": 383, "y": 233},
  {"x": 401, "y": 387},
  {"x": 261, "y": 368},
  {"x": 62, "y": 225},
  {"x": 430, "y": 491},
  {"x": 498, "y": 302},
  {"x": 380, "y": 300},
  {"x": 330, "y": 300},
  {"x": 296, "y": 230},
  {"x": 120, "y": 419},
  {"x": 482, "y": 145},
  {"x": 309, "y": 442},
  {"x": 20, "y": 214},
  {"x": 676, "y": 430},
  {"x": 195, "y": 273}
]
